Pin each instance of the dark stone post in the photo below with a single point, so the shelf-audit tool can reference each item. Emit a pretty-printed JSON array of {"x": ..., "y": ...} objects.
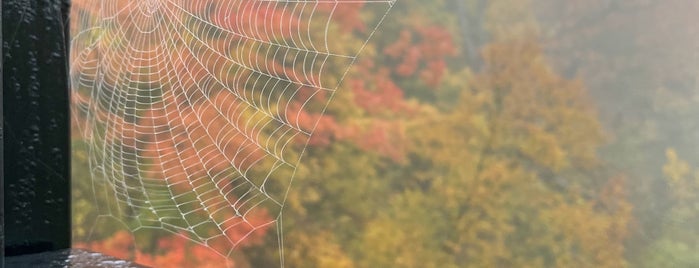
[{"x": 36, "y": 127}]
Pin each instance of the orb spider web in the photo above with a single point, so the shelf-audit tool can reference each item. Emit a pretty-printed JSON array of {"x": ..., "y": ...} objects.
[{"x": 196, "y": 114}]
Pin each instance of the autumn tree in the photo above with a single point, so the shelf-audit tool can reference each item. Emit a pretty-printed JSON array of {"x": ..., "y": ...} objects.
[
  {"x": 677, "y": 244},
  {"x": 509, "y": 160}
]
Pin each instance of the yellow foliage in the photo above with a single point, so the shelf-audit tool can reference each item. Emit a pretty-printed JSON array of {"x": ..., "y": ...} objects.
[
  {"x": 320, "y": 250},
  {"x": 506, "y": 161}
]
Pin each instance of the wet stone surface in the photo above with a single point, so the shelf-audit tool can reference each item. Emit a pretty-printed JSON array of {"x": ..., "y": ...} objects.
[{"x": 74, "y": 258}]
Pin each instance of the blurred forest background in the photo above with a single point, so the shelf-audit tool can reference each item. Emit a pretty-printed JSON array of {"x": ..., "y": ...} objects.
[{"x": 474, "y": 133}]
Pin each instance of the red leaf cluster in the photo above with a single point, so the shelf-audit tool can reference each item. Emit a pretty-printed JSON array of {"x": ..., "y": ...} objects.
[
  {"x": 385, "y": 138},
  {"x": 386, "y": 95},
  {"x": 323, "y": 127},
  {"x": 422, "y": 50},
  {"x": 346, "y": 13},
  {"x": 187, "y": 142}
]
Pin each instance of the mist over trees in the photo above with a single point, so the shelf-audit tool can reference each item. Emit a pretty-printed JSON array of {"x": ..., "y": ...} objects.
[{"x": 468, "y": 133}]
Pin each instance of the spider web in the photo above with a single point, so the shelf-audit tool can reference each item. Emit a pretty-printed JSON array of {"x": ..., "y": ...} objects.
[{"x": 196, "y": 113}]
